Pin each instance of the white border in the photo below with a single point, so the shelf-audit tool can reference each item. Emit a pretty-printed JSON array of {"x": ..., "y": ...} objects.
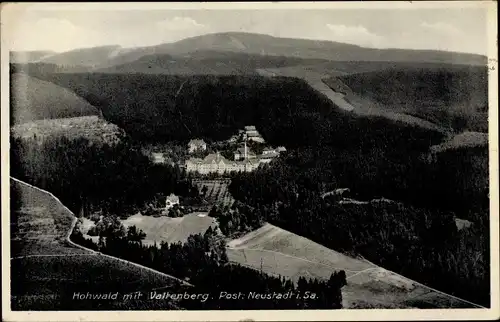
[{"x": 12, "y": 12}]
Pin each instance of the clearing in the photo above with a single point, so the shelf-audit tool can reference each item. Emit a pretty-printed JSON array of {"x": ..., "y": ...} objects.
[
  {"x": 168, "y": 229},
  {"x": 280, "y": 252}
]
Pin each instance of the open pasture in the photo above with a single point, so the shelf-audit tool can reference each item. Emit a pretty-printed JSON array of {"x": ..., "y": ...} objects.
[
  {"x": 168, "y": 229},
  {"x": 279, "y": 252}
]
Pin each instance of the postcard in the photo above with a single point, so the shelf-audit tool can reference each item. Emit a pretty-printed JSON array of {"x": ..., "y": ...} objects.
[{"x": 267, "y": 161}]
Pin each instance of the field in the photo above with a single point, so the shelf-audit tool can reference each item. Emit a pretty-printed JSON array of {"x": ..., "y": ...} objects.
[
  {"x": 277, "y": 251},
  {"x": 92, "y": 128},
  {"x": 167, "y": 229},
  {"x": 217, "y": 192},
  {"x": 46, "y": 268},
  {"x": 34, "y": 99}
]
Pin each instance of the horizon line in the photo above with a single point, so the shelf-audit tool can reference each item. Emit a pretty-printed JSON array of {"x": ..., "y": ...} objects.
[{"x": 248, "y": 33}]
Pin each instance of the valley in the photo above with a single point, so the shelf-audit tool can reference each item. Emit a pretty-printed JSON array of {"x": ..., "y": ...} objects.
[{"x": 403, "y": 125}]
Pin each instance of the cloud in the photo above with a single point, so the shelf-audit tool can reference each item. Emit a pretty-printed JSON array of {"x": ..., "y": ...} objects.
[
  {"x": 357, "y": 35},
  {"x": 179, "y": 23},
  {"x": 441, "y": 27},
  {"x": 53, "y": 34}
]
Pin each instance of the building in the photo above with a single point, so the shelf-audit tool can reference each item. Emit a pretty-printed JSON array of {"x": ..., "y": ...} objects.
[
  {"x": 280, "y": 149},
  {"x": 251, "y": 130},
  {"x": 267, "y": 151},
  {"x": 268, "y": 156},
  {"x": 172, "y": 200},
  {"x": 158, "y": 157},
  {"x": 216, "y": 163},
  {"x": 252, "y": 134},
  {"x": 244, "y": 153},
  {"x": 197, "y": 145}
]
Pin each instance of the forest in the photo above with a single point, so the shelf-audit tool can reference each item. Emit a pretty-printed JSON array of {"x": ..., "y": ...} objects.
[
  {"x": 420, "y": 243},
  {"x": 453, "y": 97},
  {"x": 203, "y": 262},
  {"x": 114, "y": 179}
]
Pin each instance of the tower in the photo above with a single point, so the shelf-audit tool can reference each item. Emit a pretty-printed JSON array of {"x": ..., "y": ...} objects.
[{"x": 245, "y": 148}]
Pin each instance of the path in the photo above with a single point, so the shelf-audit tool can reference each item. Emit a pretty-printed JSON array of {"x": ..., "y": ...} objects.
[
  {"x": 291, "y": 256},
  {"x": 93, "y": 252}
]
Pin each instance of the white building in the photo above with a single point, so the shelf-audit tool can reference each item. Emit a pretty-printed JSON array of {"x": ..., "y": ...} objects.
[
  {"x": 216, "y": 163},
  {"x": 171, "y": 201},
  {"x": 252, "y": 134},
  {"x": 197, "y": 145}
]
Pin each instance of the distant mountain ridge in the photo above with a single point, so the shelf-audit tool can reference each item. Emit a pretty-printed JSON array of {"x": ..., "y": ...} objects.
[{"x": 255, "y": 44}]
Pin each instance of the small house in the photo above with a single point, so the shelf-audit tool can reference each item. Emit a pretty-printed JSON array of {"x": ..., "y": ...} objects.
[
  {"x": 172, "y": 200},
  {"x": 197, "y": 145}
]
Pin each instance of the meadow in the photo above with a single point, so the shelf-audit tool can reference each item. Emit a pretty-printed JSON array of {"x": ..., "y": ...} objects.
[
  {"x": 168, "y": 229},
  {"x": 278, "y": 252}
]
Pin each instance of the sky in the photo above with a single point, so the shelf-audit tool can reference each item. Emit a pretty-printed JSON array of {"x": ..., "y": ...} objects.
[{"x": 68, "y": 27}]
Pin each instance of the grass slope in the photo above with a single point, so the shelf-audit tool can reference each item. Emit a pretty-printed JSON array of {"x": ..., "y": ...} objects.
[
  {"x": 34, "y": 99},
  {"x": 277, "y": 251},
  {"x": 46, "y": 270}
]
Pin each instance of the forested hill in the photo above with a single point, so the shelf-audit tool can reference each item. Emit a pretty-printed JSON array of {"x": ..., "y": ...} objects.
[
  {"x": 455, "y": 97},
  {"x": 166, "y": 107}
]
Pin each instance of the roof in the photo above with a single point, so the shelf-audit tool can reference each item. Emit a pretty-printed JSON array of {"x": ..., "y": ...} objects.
[
  {"x": 173, "y": 197},
  {"x": 270, "y": 155},
  {"x": 215, "y": 157},
  {"x": 197, "y": 142},
  {"x": 281, "y": 149},
  {"x": 250, "y": 128}
]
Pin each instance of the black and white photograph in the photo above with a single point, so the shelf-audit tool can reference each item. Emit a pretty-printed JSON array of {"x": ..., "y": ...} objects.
[{"x": 217, "y": 161}]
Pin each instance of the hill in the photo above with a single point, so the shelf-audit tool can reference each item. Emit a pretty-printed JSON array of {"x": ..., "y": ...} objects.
[
  {"x": 455, "y": 98},
  {"x": 40, "y": 246},
  {"x": 251, "y": 43},
  {"x": 34, "y": 99},
  {"x": 29, "y": 56},
  {"x": 92, "y": 128},
  {"x": 89, "y": 57},
  {"x": 257, "y": 44},
  {"x": 283, "y": 253},
  {"x": 206, "y": 62}
]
